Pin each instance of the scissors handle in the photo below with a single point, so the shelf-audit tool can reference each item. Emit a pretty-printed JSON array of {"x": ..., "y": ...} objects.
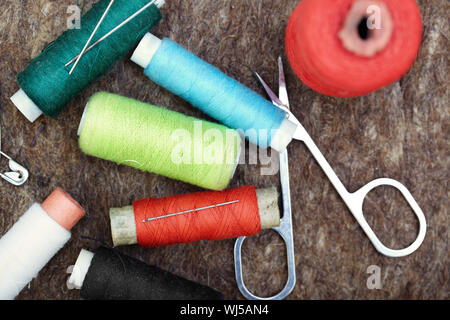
[
  {"x": 355, "y": 201},
  {"x": 286, "y": 233},
  {"x": 291, "y": 270}
]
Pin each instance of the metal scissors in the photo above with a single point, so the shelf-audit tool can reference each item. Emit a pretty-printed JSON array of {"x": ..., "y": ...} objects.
[
  {"x": 354, "y": 201},
  {"x": 19, "y": 175}
]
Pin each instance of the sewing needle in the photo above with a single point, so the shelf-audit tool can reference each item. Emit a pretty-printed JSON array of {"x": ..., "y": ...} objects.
[
  {"x": 113, "y": 30},
  {"x": 192, "y": 210},
  {"x": 92, "y": 36}
]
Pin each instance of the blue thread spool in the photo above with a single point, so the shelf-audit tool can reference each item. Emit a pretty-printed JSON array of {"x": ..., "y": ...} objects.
[{"x": 210, "y": 90}]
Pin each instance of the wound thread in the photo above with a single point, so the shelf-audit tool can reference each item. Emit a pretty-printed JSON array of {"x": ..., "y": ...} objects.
[
  {"x": 46, "y": 80},
  {"x": 115, "y": 276},
  {"x": 123, "y": 220},
  {"x": 160, "y": 141},
  {"x": 210, "y": 90},
  {"x": 327, "y": 53},
  {"x": 218, "y": 222}
]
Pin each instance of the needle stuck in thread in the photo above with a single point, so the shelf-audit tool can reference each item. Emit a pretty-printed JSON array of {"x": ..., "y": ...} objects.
[
  {"x": 111, "y": 32},
  {"x": 191, "y": 211},
  {"x": 92, "y": 36}
]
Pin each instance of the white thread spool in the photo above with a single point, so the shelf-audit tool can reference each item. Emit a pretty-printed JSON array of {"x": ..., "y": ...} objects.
[{"x": 30, "y": 244}]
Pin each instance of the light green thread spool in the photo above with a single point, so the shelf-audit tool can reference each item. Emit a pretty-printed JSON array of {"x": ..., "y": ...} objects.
[{"x": 160, "y": 141}]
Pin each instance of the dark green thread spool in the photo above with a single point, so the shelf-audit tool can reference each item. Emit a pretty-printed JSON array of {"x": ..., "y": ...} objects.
[{"x": 47, "y": 87}]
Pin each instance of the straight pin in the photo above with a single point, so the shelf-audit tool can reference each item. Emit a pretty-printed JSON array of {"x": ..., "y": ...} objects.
[
  {"x": 112, "y": 31},
  {"x": 192, "y": 210},
  {"x": 92, "y": 36}
]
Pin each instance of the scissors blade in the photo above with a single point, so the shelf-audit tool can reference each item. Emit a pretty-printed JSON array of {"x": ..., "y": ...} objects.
[
  {"x": 283, "y": 94},
  {"x": 284, "y": 98},
  {"x": 282, "y": 102},
  {"x": 275, "y": 100}
]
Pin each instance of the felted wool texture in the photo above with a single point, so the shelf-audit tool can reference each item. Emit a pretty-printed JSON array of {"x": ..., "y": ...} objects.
[
  {"x": 400, "y": 131},
  {"x": 115, "y": 276},
  {"x": 46, "y": 80},
  {"x": 145, "y": 137}
]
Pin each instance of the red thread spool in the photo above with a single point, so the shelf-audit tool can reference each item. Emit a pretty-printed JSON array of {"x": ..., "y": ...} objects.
[
  {"x": 193, "y": 217},
  {"x": 333, "y": 51},
  {"x": 224, "y": 222}
]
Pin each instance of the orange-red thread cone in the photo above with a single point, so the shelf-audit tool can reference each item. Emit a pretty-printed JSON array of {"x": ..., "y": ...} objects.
[{"x": 333, "y": 60}]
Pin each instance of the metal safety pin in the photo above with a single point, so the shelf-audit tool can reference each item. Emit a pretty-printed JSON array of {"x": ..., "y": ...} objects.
[
  {"x": 285, "y": 229},
  {"x": 19, "y": 175}
]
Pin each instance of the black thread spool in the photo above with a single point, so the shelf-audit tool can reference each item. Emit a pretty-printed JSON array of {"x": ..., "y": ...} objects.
[{"x": 110, "y": 275}]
